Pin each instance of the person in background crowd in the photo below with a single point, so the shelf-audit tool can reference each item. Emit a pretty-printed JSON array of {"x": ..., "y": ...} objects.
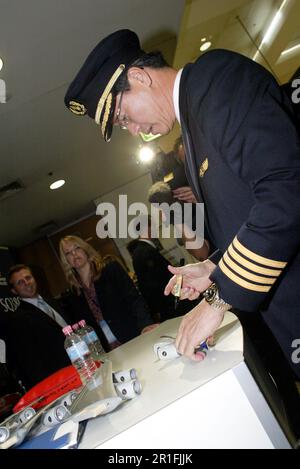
[
  {"x": 152, "y": 272},
  {"x": 160, "y": 193},
  {"x": 102, "y": 293},
  {"x": 35, "y": 342},
  {"x": 242, "y": 160},
  {"x": 170, "y": 185}
]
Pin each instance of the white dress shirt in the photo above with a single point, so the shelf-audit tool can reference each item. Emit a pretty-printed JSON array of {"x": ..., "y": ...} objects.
[{"x": 176, "y": 95}]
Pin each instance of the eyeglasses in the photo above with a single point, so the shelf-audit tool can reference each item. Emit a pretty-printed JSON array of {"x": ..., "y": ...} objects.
[
  {"x": 22, "y": 281},
  {"x": 122, "y": 122},
  {"x": 72, "y": 251}
]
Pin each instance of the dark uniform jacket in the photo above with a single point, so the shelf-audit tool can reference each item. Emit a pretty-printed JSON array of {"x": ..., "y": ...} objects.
[
  {"x": 35, "y": 343},
  {"x": 123, "y": 308},
  {"x": 152, "y": 273},
  {"x": 292, "y": 89},
  {"x": 243, "y": 161}
]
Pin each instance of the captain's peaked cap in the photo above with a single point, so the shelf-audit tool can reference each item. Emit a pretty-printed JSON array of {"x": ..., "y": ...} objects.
[{"x": 92, "y": 90}]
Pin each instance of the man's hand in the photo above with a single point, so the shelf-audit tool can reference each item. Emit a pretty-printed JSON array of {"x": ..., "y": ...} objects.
[
  {"x": 195, "y": 279},
  {"x": 185, "y": 194},
  {"x": 196, "y": 327}
]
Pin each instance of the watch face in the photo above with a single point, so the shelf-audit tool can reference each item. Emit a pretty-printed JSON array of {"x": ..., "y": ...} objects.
[{"x": 210, "y": 293}]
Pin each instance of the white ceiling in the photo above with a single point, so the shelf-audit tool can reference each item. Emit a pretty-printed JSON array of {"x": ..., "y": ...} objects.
[{"x": 43, "y": 43}]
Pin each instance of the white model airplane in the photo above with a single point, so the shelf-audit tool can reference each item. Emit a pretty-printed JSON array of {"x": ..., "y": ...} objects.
[
  {"x": 166, "y": 349},
  {"x": 101, "y": 395}
]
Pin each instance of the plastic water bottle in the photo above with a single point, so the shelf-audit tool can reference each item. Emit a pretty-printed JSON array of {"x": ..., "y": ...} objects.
[
  {"x": 79, "y": 355},
  {"x": 90, "y": 337}
]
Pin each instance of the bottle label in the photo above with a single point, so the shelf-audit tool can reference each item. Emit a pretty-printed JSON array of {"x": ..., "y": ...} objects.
[
  {"x": 77, "y": 351},
  {"x": 92, "y": 337}
]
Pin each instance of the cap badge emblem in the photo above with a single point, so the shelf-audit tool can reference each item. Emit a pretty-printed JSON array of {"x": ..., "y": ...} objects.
[{"x": 77, "y": 108}]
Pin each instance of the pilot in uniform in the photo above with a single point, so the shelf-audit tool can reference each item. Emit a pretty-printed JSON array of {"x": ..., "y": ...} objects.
[{"x": 243, "y": 162}]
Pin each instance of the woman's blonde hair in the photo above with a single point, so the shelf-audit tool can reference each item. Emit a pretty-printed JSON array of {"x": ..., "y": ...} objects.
[{"x": 94, "y": 258}]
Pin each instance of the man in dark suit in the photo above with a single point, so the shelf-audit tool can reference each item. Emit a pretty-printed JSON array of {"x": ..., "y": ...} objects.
[
  {"x": 35, "y": 342},
  {"x": 151, "y": 269}
]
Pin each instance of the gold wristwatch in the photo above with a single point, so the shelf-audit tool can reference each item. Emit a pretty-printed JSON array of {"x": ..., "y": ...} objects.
[{"x": 211, "y": 296}]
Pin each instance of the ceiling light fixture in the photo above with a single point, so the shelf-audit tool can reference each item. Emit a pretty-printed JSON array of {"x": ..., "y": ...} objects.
[
  {"x": 206, "y": 45},
  {"x": 203, "y": 39},
  {"x": 274, "y": 26},
  {"x": 1, "y": 63},
  {"x": 291, "y": 49},
  {"x": 2, "y": 91},
  {"x": 57, "y": 184},
  {"x": 146, "y": 154}
]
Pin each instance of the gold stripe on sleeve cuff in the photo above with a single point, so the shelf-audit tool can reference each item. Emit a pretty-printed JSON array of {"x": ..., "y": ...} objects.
[
  {"x": 247, "y": 275},
  {"x": 255, "y": 257},
  {"x": 239, "y": 281},
  {"x": 253, "y": 267}
]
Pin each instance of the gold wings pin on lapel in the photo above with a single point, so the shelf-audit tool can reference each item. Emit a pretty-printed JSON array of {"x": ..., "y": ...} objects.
[{"x": 203, "y": 168}]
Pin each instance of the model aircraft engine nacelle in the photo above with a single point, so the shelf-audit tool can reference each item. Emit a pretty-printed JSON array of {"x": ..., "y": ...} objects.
[
  {"x": 69, "y": 399},
  {"x": 128, "y": 389},
  {"x": 125, "y": 375},
  {"x": 4, "y": 434},
  {"x": 55, "y": 415}
]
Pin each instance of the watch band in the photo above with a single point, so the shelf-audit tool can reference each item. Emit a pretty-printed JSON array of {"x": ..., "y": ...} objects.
[{"x": 211, "y": 296}]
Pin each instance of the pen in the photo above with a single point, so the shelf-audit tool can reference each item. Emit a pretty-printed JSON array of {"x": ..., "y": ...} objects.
[
  {"x": 177, "y": 290},
  {"x": 177, "y": 287},
  {"x": 202, "y": 348}
]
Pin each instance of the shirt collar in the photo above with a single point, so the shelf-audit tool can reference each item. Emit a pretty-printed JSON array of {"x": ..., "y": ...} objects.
[
  {"x": 33, "y": 301},
  {"x": 148, "y": 241},
  {"x": 176, "y": 95}
]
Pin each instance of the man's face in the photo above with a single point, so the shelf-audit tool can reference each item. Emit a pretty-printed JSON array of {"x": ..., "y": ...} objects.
[
  {"x": 24, "y": 284},
  {"x": 144, "y": 108},
  {"x": 75, "y": 255}
]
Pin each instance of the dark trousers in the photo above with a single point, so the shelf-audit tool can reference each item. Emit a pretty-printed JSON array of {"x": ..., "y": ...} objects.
[{"x": 265, "y": 358}]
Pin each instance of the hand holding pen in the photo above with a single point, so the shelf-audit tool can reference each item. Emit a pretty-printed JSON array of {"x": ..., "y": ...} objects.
[
  {"x": 177, "y": 287},
  {"x": 177, "y": 290},
  {"x": 195, "y": 279}
]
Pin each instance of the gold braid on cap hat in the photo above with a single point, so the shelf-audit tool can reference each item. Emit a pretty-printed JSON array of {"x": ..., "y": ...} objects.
[
  {"x": 106, "y": 92},
  {"x": 106, "y": 113}
]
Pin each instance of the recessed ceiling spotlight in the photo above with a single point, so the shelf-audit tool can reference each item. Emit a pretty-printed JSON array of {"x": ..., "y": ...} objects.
[
  {"x": 146, "y": 154},
  {"x": 57, "y": 184},
  {"x": 1, "y": 63},
  {"x": 206, "y": 45}
]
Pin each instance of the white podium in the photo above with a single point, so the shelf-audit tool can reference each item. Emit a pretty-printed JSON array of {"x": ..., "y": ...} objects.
[{"x": 210, "y": 404}]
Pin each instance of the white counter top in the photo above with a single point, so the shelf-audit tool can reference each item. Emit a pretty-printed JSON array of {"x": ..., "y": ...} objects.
[
  {"x": 163, "y": 382},
  {"x": 184, "y": 404}
]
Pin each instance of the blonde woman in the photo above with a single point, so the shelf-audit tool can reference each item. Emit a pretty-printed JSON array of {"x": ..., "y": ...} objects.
[{"x": 102, "y": 293}]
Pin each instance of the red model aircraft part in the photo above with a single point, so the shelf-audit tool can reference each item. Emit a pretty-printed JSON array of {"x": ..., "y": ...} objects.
[{"x": 52, "y": 387}]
